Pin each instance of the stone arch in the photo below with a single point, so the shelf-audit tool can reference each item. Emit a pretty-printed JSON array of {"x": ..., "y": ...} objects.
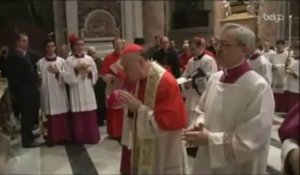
[{"x": 100, "y": 23}]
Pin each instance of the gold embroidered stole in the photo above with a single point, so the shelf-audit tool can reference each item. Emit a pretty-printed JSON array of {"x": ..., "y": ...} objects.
[{"x": 144, "y": 149}]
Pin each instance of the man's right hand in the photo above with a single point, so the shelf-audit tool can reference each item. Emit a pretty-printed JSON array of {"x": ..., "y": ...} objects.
[{"x": 79, "y": 66}]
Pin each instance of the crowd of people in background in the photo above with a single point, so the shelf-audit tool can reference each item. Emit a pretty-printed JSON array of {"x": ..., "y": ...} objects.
[{"x": 74, "y": 93}]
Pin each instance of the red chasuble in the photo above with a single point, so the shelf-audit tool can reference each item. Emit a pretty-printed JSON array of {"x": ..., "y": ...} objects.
[
  {"x": 169, "y": 111},
  {"x": 114, "y": 116}
]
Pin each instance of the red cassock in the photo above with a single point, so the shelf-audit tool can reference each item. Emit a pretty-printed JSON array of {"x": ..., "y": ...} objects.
[
  {"x": 280, "y": 102},
  {"x": 291, "y": 99},
  {"x": 114, "y": 116},
  {"x": 169, "y": 112},
  {"x": 184, "y": 59},
  {"x": 57, "y": 129}
]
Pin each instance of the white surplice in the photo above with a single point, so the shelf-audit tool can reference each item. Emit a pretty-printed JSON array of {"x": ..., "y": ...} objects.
[
  {"x": 209, "y": 66},
  {"x": 278, "y": 61},
  {"x": 82, "y": 96},
  {"x": 292, "y": 83},
  {"x": 54, "y": 98},
  {"x": 239, "y": 119},
  {"x": 263, "y": 67},
  {"x": 268, "y": 54}
]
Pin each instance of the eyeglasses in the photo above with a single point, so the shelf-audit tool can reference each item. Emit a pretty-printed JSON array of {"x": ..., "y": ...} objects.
[{"x": 227, "y": 45}]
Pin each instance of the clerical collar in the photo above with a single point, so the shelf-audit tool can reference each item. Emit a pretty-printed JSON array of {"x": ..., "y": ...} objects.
[
  {"x": 50, "y": 58},
  {"x": 199, "y": 57},
  {"x": 254, "y": 56},
  {"x": 79, "y": 55},
  {"x": 234, "y": 73}
]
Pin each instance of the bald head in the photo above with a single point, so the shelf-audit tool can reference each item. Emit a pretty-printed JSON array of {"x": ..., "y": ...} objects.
[
  {"x": 135, "y": 66},
  {"x": 185, "y": 47},
  {"x": 92, "y": 52}
]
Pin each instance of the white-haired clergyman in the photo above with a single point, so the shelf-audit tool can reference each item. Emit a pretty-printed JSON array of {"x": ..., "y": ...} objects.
[{"x": 235, "y": 111}]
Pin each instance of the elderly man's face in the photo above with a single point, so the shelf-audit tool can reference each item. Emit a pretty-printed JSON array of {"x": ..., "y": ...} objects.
[
  {"x": 92, "y": 53},
  {"x": 132, "y": 66},
  {"x": 165, "y": 44},
  {"x": 118, "y": 45},
  {"x": 228, "y": 50}
]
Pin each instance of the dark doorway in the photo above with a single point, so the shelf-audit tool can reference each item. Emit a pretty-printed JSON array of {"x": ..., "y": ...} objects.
[{"x": 31, "y": 16}]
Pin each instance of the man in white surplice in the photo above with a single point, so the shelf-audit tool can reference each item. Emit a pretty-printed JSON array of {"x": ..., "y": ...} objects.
[
  {"x": 202, "y": 61},
  {"x": 261, "y": 65},
  {"x": 54, "y": 100},
  {"x": 81, "y": 75},
  {"x": 235, "y": 112},
  {"x": 279, "y": 62},
  {"x": 267, "y": 52}
]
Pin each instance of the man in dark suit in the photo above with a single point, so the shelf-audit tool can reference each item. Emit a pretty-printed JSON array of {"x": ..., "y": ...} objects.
[
  {"x": 167, "y": 57},
  {"x": 23, "y": 85}
]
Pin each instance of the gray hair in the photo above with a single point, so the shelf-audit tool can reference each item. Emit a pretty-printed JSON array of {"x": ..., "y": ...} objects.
[
  {"x": 244, "y": 36},
  {"x": 91, "y": 49}
]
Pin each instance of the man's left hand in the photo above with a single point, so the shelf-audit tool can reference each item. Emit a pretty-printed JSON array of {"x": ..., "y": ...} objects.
[
  {"x": 86, "y": 70},
  {"x": 53, "y": 69},
  {"x": 196, "y": 137},
  {"x": 129, "y": 100}
]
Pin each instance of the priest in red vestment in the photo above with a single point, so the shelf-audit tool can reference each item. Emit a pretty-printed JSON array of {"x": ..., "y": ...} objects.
[
  {"x": 114, "y": 77},
  {"x": 185, "y": 56},
  {"x": 156, "y": 114}
]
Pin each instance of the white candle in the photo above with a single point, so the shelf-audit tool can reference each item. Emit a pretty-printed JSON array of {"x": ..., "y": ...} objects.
[{"x": 290, "y": 30}]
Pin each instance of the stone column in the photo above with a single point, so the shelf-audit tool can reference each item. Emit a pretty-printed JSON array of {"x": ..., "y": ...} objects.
[
  {"x": 59, "y": 14},
  {"x": 153, "y": 20},
  {"x": 219, "y": 13}
]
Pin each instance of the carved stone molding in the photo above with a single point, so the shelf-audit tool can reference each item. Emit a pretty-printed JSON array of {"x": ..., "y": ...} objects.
[{"x": 100, "y": 23}]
